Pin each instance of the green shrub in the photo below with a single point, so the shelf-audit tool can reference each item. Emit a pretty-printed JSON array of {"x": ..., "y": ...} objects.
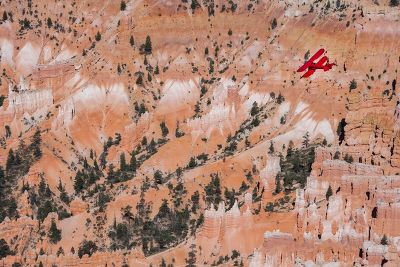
[
  {"x": 87, "y": 247},
  {"x": 353, "y": 85}
]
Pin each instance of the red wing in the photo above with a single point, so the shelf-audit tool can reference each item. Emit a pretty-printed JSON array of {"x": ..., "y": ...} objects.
[
  {"x": 308, "y": 74},
  {"x": 311, "y": 60},
  {"x": 322, "y": 61}
]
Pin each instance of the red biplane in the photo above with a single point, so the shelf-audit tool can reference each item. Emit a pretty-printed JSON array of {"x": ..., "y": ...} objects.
[{"x": 312, "y": 67}]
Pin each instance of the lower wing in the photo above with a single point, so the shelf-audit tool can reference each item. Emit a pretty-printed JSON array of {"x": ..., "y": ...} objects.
[{"x": 308, "y": 74}]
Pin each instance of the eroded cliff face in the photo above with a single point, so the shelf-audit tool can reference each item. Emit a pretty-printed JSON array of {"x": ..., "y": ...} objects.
[
  {"x": 344, "y": 227},
  {"x": 178, "y": 133}
]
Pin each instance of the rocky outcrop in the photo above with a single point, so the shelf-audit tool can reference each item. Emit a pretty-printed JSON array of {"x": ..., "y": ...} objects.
[
  {"x": 371, "y": 128},
  {"x": 219, "y": 222},
  {"x": 27, "y": 100},
  {"x": 346, "y": 226},
  {"x": 78, "y": 206},
  {"x": 19, "y": 232},
  {"x": 268, "y": 174}
]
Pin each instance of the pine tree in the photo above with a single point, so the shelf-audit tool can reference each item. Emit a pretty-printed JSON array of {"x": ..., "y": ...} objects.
[
  {"x": 329, "y": 192},
  {"x": 152, "y": 146},
  {"x": 290, "y": 149},
  {"x": 54, "y": 233},
  {"x": 119, "y": 70},
  {"x": 87, "y": 247},
  {"x": 274, "y": 23},
  {"x": 271, "y": 148},
  {"x": 63, "y": 194},
  {"x": 42, "y": 187},
  {"x": 35, "y": 145},
  {"x": 324, "y": 142},
  {"x": 133, "y": 163},
  {"x": 96, "y": 166},
  {"x": 10, "y": 160},
  {"x": 2, "y": 176},
  {"x": 394, "y": 3},
  {"x": 191, "y": 260},
  {"x": 123, "y": 5},
  {"x": 192, "y": 163},
  {"x": 148, "y": 46},
  {"x": 194, "y": 5},
  {"x": 328, "y": 5},
  {"x": 336, "y": 155},
  {"x": 353, "y": 85},
  {"x": 122, "y": 162},
  {"x": 280, "y": 99},
  {"x": 79, "y": 183},
  {"x": 98, "y": 36},
  {"x": 206, "y": 51},
  {"x": 139, "y": 80},
  {"x": 132, "y": 41},
  {"x": 5, "y": 17},
  {"x": 306, "y": 140},
  {"x": 163, "y": 263},
  {"x": 49, "y": 23},
  {"x": 278, "y": 188},
  {"x": 164, "y": 129},
  {"x": 60, "y": 251},
  {"x": 111, "y": 174},
  {"x": 158, "y": 177},
  {"x": 384, "y": 240},
  {"x": 307, "y": 55},
  {"x": 144, "y": 141},
  {"x": 254, "y": 109},
  {"x": 178, "y": 132},
  {"x": 4, "y": 249}
]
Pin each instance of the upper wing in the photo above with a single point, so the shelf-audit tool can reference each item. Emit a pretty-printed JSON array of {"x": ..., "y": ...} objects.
[
  {"x": 308, "y": 74},
  {"x": 311, "y": 60}
]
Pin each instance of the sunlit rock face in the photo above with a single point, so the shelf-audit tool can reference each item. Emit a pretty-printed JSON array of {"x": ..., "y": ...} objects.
[{"x": 138, "y": 133}]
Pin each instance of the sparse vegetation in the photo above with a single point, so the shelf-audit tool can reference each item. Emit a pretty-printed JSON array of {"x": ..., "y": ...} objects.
[{"x": 17, "y": 165}]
